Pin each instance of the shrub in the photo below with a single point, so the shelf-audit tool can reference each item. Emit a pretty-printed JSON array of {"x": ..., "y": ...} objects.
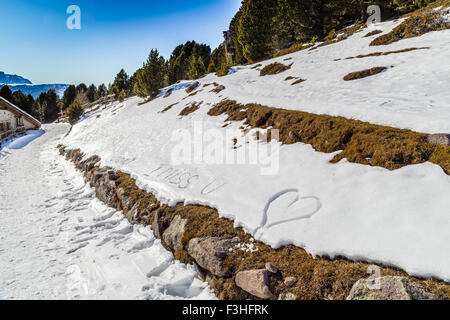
[{"x": 74, "y": 112}]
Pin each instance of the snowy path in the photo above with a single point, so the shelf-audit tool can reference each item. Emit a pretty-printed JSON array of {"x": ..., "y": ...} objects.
[{"x": 57, "y": 241}]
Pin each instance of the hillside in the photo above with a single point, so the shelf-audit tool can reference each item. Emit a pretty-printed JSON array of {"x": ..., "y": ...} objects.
[{"x": 344, "y": 179}]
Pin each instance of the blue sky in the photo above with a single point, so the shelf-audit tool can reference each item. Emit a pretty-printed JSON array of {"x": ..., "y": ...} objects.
[{"x": 114, "y": 34}]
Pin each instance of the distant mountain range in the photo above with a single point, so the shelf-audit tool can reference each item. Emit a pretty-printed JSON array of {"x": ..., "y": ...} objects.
[
  {"x": 12, "y": 79},
  {"x": 17, "y": 83}
]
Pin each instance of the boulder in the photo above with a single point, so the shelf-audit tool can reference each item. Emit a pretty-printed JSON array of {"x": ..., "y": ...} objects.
[
  {"x": 155, "y": 225},
  {"x": 210, "y": 253},
  {"x": 441, "y": 139},
  {"x": 168, "y": 93},
  {"x": 89, "y": 163},
  {"x": 255, "y": 282},
  {"x": 113, "y": 176},
  {"x": 287, "y": 296},
  {"x": 192, "y": 86},
  {"x": 133, "y": 214},
  {"x": 290, "y": 281},
  {"x": 271, "y": 267},
  {"x": 97, "y": 176},
  {"x": 105, "y": 188},
  {"x": 390, "y": 288},
  {"x": 123, "y": 198},
  {"x": 294, "y": 136},
  {"x": 172, "y": 236}
]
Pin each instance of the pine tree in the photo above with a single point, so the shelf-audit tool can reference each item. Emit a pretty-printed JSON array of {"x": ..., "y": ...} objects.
[
  {"x": 255, "y": 29},
  {"x": 120, "y": 82},
  {"x": 23, "y": 102},
  {"x": 91, "y": 93},
  {"x": 69, "y": 96},
  {"x": 81, "y": 88},
  {"x": 74, "y": 112},
  {"x": 102, "y": 90},
  {"x": 211, "y": 67},
  {"x": 224, "y": 69},
  {"x": 7, "y": 94},
  {"x": 51, "y": 109},
  {"x": 150, "y": 78}
]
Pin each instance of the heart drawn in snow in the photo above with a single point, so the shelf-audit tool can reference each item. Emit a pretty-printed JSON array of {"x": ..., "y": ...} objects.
[{"x": 287, "y": 206}]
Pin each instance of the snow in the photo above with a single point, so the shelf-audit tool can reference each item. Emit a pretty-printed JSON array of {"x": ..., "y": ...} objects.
[
  {"x": 57, "y": 241},
  {"x": 398, "y": 218},
  {"x": 175, "y": 87},
  {"x": 23, "y": 141}
]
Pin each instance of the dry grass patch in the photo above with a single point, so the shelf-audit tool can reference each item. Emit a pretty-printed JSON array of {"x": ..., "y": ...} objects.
[
  {"x": 294, "y": 48},
  {"x": 360, "y": 142},
  {"x": 190, "y": 109},
  {"x": 274, "y": 68},
  {"x": 169, "y": 107},
  {"x": 377, "y": 54},
  {"x": 419, "y": 23},
  {"x": 364, "y": 73},
  {"x": 297, "y": 82},
  {"x": 373, "y": 33}
]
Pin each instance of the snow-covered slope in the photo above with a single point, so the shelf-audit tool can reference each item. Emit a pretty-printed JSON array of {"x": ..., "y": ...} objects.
[
  {"x": 292, "y": 194},
  {"x": 58, "y": 242}
]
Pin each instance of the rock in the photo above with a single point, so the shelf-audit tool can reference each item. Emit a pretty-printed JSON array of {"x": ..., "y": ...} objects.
[
  {"x": 391, "y": 288},
  {"x": 77, "y": 157},
  {"x": 155, "y": 224},
  {"x": 255, "y": 282},
  {"x": 89, "y": 163},
  {"x": 210, "y": 253},
  {"x": 133, "y": 214},
  {"x": 124, "y": 199},
  {"x": 168, "y": 93},
  {"x": 440, "y": 139},
  {"x": 290, "y": 281},
  {"x": 192, "y": 86},
  {"x": 105, "y": 188},
  {"x": 97, "y": 176},
  {"x": 271, "y": 267},
  {"x": 287, "y": 296},
  {"x": 294, "y": 136},
  {"x": 113, "y": 177},
  {"x": 172, "y": 236}
]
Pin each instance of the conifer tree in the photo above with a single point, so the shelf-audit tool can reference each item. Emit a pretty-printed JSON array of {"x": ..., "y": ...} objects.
[
  {"x": 150, "y": 78},
  {"x": 255, "y": 29},
  {"x": 7, "y": 94},
  {"x": 102, "y": 91},
  {"x": 91, "y": 93},
  {"x": 51, "y": 103},
  {"x": 69, "y": 96},
  {"x": 74, "y": 112},
  {"x": 121, "y": 82}
]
